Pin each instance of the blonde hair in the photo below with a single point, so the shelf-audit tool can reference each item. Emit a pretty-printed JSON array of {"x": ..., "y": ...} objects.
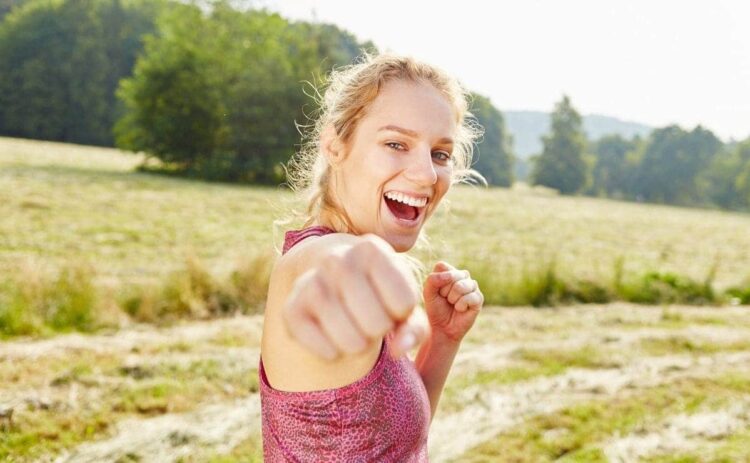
[{"x": 349, "y": 91}]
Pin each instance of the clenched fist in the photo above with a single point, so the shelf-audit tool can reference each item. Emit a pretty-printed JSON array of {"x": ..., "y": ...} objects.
[
  {"x": 357, "y": 295},
  {"x": 452, "y": 301}
]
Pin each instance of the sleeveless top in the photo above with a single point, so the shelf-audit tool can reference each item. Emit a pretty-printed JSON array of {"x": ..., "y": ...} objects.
[{"x": 382, "y": 417}]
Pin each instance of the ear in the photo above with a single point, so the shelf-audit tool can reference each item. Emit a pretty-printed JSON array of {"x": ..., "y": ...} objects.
[{"x": 330, "y": 145}]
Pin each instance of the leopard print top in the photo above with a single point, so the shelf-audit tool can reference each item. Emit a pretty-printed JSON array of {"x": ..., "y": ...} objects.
[{"x": 382, "y": 417}]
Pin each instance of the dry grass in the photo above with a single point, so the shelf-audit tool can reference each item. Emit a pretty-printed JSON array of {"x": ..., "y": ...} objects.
[{"x": 67, "y": 206}]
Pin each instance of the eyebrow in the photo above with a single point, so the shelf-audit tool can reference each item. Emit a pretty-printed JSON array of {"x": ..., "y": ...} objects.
[{"x": 412, "y": 133}]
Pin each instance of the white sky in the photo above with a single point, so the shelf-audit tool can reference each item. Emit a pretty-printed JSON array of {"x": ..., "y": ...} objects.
[{"x": 651, "y": 61}]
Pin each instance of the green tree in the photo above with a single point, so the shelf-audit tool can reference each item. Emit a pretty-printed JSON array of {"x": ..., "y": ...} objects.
[
  {"x": 726, "y": 182},
  {"x": 561, "y": 164},
  {"x": 60, "y": 61},
  {"x": 671, "y": 162},
  {"x": 494, "y": 153},
  {"x": 173, "y": 101},
  {"x": 612, "y": 170},
  {"x": 7, "y": 5},
  {"x": 218, "y": 94}
]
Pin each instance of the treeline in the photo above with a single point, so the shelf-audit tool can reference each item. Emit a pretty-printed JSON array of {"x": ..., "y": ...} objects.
[
  {"x": 212, "y": 91},
  {"x": 61, "y": 63},
  {"x": 670, "y": 166}
]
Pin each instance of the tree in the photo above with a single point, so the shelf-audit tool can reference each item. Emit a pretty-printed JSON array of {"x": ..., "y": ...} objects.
[
  {"x": 611, "y": 171},
  {"x": 60, "y": 61},
  {"x": 173, "y": 100},
  {"x": 216, "y": 94},
  {"x": 494, "y": 153},
  {"x": 671, "y": 162},
  {"x": 7, "y": 5},
  {"x": 726, "y": 182},
  {"x": 561, "y": 164}
]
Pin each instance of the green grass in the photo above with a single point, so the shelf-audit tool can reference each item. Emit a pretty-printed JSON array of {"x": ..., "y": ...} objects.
[
  {"x": 122, "y": 390},
  {"x": 533, "y": 363},
  {"x": 159, "y": 247},
  {"x": 736, "y": 448},
  {"x": 682, "y": 345},
  {"x": 574, "y": 433},
  {"x": 41, "y": 433}
]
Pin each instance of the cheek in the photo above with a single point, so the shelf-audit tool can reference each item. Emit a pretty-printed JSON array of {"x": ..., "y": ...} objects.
[{"x": 444, "y": 176}]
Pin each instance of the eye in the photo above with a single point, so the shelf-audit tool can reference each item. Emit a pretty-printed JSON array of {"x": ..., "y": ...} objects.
[
  {"x": 445, "y": 156},
  {"x": 391, "y": 143}
]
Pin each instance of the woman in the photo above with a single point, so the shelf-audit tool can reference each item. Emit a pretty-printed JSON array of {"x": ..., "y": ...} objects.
[{"x": 392, "y": 135}]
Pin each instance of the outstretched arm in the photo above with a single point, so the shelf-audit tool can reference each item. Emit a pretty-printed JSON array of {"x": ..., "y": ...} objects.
[{"x": 452, "y": 302}]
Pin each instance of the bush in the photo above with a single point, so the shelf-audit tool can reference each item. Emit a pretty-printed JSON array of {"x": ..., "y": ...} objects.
[{"x": 33, "y": 302}]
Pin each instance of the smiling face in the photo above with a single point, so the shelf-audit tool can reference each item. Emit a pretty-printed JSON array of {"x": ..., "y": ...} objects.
[{"x": 396, "y": 167}]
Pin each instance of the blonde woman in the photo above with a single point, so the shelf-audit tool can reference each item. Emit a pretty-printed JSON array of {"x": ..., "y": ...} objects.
[{"x": 344, "y": 306}]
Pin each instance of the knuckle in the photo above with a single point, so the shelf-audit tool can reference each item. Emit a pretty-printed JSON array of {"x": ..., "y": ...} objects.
[
  {"x": 317, "y": 288},
  {"x": 334, "y": 261},
  {"x": 406, "y": 304},
  {"x": 290, "y": 310},
  {"x": 376, "y": 329},
  {"x": 367, "y": 243},
  {"x": 357, "y": 254}
]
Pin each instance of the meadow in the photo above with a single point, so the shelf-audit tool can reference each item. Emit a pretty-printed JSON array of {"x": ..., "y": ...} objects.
[
  {"x": 168, "y": 277},
  {"x": 82, "y": 219}
]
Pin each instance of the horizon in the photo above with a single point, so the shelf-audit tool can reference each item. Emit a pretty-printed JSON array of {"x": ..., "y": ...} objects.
[{"x": 682, "y": 64}]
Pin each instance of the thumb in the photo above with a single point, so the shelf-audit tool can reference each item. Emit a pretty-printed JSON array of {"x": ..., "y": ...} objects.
[{"x": 410, "y": 333}]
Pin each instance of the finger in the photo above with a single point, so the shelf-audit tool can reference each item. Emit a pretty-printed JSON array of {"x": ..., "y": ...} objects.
[
  {"x": 441, "y": 266},
  {"x": 456, "y": 275},
  {"x": 460, "y": 288},
  {"x": 303, "y": 328},
  {"x": 473, "y": 300},
  {"x": 434, "y": 282},
  {"x": 336, "y": 323},
  {"x": 359, "y": 299},
  {"x": 364, "y": 305},
  {"x": 391, "y": 284},
  {"x": 410, "y": 333}
]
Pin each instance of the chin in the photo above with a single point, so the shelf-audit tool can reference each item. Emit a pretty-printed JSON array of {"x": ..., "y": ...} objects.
[{"x": 403, "y": 243}]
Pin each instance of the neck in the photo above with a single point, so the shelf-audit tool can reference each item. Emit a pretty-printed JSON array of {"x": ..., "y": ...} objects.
[{"x": 331, "y": 220}]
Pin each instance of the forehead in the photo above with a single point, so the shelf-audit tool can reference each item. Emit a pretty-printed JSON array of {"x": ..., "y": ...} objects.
[{"x": 417, "y": 106}]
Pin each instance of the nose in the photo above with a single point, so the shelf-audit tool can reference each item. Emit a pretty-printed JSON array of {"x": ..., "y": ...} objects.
[{"x": 421, "y": 170}]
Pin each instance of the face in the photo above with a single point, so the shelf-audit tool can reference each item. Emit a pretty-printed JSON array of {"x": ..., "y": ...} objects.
[{"x": 397, "y": 165}]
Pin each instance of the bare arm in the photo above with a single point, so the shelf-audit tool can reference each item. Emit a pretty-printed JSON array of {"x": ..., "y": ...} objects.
[
  {"x": 325, "y": 309},
  {"x": 433, "y": 362},
  {"x": 452, "y": 302}
]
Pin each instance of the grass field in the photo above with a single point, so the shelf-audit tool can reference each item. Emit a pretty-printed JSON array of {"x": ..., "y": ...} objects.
[
  {"x": 67, "y": 206},
  {"x": 80, "y": 231}
]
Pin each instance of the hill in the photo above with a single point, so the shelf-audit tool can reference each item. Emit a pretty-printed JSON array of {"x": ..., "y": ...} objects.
[{"x": 528, "y": 126}]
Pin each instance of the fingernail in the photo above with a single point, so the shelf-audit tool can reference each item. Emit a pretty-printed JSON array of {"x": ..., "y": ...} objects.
[{"x": 407, "y": 342}]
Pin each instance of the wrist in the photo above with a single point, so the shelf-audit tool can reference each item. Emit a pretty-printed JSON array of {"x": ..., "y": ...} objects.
[{"x": 443, "y": 339}]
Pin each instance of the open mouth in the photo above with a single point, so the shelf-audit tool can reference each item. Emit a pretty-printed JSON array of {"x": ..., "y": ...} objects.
[{"x": 403, "y": 211}]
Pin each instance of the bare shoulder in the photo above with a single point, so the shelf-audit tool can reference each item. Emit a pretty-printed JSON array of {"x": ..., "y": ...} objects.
[{"x": 288, "y": 365}]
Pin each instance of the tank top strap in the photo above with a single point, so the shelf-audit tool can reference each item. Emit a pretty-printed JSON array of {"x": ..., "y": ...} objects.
[{"x": 293, "y": 237}]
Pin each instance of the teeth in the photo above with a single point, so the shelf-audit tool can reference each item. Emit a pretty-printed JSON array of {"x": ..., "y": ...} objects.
[{"x": 400, "y": 197}]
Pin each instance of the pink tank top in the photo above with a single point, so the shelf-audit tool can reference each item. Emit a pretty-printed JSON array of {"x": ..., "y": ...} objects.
[{"x": 382, "y": 417}]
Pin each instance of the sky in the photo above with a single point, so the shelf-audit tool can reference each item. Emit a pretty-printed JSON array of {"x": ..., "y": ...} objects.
[{"x": 657, "y": 62}]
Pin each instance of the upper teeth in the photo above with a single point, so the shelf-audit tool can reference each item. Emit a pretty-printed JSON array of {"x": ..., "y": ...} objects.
[{"x": 411, "y": 201}]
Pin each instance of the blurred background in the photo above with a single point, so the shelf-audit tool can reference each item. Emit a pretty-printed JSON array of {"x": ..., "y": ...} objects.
[{"x": 142, "y": 145}]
